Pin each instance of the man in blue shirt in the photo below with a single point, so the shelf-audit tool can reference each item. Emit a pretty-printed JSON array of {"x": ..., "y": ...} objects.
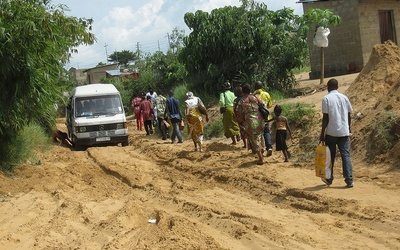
[{"x": 172, "y": 108}]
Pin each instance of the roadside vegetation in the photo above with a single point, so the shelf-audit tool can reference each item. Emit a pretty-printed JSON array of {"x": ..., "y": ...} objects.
[
  {"x": 36, "y": 40},
  {"x": 25, "y": 146},
  {"x": 384, "y": 134}
]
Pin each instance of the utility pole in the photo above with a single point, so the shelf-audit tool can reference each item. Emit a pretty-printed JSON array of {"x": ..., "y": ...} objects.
[
  {"x": 138, "y": 50},
  {"x": 169, "y": 42},
  {"x": 158, "y": 41},
  {"x": 105, "y": 46}
]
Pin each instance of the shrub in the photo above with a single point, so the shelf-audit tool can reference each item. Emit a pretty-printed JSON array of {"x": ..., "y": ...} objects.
[
  {"x": 180, "y": 93},
  {"x": 382, "y": 136},
  {"x": 302, "y": 119},
  {"x": 214, "y": 128},
  {"x": 277, "y": 95},
  {"x": 300, "y": 115},
  {"x": 305, "y": 68},
  {"x": 30, "y": 140}
]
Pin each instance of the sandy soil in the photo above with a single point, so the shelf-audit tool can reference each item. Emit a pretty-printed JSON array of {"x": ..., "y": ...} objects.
[
  {"x": 154, "y": 195},
  {"x": 108, "y": 197}
]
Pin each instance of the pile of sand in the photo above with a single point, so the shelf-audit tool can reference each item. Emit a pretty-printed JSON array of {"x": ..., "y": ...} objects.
[
  {"x": 375, "y": 96},
  {"x": 379, "y": 76}
]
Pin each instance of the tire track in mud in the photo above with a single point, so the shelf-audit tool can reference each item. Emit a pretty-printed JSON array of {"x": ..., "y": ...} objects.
[
  {"x": 172, "y": 208},
  {"x": 151, "y": 189},
  {"x": 265, "y": 188}
]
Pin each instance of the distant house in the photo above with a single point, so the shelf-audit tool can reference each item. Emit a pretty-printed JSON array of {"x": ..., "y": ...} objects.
[
  {"x": 94, "y": 75},
  {"x": 77, "y": 75},
  {"x": 364, "y": 24},
  {"x": 122, "y": 73}
]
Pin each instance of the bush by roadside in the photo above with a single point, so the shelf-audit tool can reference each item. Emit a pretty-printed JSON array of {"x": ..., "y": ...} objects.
[{"x": 30, "y": 140}]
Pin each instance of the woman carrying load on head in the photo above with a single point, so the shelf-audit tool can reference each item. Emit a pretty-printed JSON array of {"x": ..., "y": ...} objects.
[{"x": 195, "y": 120}]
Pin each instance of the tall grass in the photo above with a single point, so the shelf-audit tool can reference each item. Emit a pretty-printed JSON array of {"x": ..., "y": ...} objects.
[
  {"x": 277, "y": 95},
  {"x": 214, "y": 129},
  {"x": 30, "y": 140},
  {"x": 302, "y": 119},
  {"x": 305, "y": 68},
  {"x": 180, "y": 93},
  {"x": 300, "y": 115},
  {"x": 382, "y": 136}
]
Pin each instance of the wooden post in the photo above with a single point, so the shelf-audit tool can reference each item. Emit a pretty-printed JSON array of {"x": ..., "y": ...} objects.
[{"x": 322, "y": 66}]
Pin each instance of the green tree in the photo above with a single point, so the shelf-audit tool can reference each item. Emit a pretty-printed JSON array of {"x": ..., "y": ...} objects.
[
  {"x": 176, "y": 39},
  {"x": 243, "y": 44},
  {"x": 123, "y": 57},
  {"x": 36, "y": 40},
  {"x": 160, "y": 71}
]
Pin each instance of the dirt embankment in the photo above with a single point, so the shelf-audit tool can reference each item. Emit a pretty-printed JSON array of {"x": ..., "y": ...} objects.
[{"x": 375, "y": 95}]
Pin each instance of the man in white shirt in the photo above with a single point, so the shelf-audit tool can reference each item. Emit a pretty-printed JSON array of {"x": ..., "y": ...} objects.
[{"x": 336, "y": 129}]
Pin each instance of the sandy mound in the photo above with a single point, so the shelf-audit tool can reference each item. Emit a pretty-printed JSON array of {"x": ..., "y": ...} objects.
[
  {"x": 379, "y": 76},
  {"x": 375, "y": 95}
]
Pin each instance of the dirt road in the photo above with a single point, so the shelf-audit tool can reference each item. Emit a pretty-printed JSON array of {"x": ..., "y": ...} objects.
[
  {"x": 153, "y": 195},
  {"x": 104, "y": 197}
]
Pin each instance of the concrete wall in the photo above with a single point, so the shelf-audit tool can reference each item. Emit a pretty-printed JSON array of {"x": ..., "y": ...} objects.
[
  {"x": 350, "y": 43},
  {"x": 344, "y": 47},
  {"x": 96, "y": 74},
  {"x": 369, "y": 23},
  {"x": 78, "y": 75}
]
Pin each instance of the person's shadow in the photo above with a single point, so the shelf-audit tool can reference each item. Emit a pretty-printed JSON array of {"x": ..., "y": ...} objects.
[{"x": 322, "y": 186}]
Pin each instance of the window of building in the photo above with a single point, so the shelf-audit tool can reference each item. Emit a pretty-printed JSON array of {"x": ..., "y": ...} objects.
[{"x": 386, "y": 25}]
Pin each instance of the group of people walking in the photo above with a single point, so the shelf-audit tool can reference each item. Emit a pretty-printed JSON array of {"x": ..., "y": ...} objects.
[
  {"x": 240, "y": 111},
  {"x": 145, "y": 111},
  {"x": 242, "y": 120},
  {"x": 156, "y": 110}
]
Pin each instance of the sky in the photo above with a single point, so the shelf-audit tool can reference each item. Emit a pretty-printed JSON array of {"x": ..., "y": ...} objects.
[{"x": 126, "y": 24}]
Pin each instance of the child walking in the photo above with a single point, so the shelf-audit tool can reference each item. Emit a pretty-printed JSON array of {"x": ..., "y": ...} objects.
[{"x": 282, "y": 128}]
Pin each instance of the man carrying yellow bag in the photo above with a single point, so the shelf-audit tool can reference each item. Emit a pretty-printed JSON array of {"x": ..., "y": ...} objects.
[
  {"x": 336, "y": 130},
  {"x": 323, "y": 162}
]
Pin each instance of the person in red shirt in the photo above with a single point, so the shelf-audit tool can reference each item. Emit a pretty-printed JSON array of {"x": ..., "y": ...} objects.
[
  {"x": 136, "y": 110},
  {"x": 146, "y": 111}
]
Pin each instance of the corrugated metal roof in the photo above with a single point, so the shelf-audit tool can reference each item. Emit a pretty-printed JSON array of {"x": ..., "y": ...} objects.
[
  {"x": 113, "y": 72},
  {"x": 311, "y": 1},
  {"x": 117, "y": 72}
]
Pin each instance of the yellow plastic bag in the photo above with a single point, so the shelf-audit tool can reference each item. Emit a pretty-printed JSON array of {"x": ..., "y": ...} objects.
[{"x": 323, "y": 162}]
